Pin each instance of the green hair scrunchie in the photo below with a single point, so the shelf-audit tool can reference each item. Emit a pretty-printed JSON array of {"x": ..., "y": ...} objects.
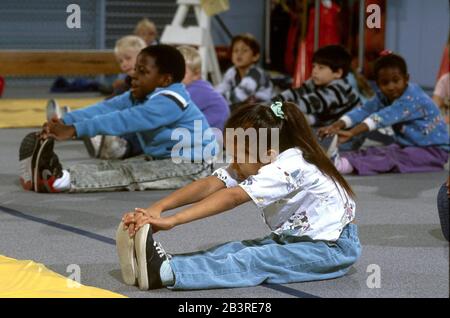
[{"x": 276, "y": 108}]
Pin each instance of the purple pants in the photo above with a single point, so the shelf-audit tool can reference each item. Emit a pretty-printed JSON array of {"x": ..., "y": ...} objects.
[{"x": 395, "y": 158}]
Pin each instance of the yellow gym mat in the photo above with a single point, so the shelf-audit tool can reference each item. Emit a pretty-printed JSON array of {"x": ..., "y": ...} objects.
[
  {"x": 19, "y": 113},
  {"x": 27, "y": 279}
]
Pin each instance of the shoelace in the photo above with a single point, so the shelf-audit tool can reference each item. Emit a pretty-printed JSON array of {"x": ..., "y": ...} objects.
[{"x": 160, "y": 250}]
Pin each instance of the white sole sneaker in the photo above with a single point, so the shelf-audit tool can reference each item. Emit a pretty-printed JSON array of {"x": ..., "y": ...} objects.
[
  {"x": 333, "y": 147},
  {"x": 127, "y": 259},
  {"x": 112, "y": 147},
  {"x": 53, "y": 109}
]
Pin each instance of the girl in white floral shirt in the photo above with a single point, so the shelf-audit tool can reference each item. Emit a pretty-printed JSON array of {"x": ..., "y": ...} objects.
[{"x": 306, "y": 203}]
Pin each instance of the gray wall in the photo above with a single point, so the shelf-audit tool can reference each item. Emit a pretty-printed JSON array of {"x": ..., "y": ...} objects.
[
  {"x": 32, "y": 24},
  {"x": 243, "y": 16},
  {"x": 418, "y": 30}
]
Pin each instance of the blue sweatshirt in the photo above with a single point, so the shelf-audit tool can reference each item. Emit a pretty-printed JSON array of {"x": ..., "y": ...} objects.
[
  {"x": 414, "y": 117},
  {"x": 153, "y": 120}
]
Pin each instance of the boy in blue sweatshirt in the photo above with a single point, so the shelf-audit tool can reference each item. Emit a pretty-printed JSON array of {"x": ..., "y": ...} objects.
[{"x": 155, "y": 106}]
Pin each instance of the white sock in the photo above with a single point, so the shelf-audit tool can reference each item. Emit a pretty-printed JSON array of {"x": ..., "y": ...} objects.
[
  {"x": 63, "y": 183},
  {"x": 166, "y": 273}
]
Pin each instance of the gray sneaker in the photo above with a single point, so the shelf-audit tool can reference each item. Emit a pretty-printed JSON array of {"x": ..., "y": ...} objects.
[
  {"x": 53, "y": 109},
  {"x": 92, "y": 145},
  {"x": 333, "y": 149},
  {"x": 65, "y": 110},
  {"x": 112, "y": 147}
]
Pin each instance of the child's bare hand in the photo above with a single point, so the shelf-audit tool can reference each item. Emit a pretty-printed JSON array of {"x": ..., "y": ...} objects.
[
  {"x": 58, "y": 130},
  {"x": 153, "y": 212},
  {"x": 327, "y": 131},
  {"x": 158, "y": 224},
  {"x": 128, "y": 218},
  {"x": 45, "y": 131},
  {"x": 344, "y": 136},
  {"x": 129, "y": 222}
]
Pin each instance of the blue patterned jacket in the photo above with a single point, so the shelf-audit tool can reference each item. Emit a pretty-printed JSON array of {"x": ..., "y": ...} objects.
[{"x": 414, "y": 117}]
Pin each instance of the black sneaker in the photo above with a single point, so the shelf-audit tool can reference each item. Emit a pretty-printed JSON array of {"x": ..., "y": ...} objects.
[
  {"x": 46, "y": 167},
  {"x": 149, "y": 256},
  {"x": 28, "y": 147}
]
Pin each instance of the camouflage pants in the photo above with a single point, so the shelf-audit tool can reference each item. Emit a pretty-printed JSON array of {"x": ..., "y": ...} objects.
[{"x": 135, "y": 174}]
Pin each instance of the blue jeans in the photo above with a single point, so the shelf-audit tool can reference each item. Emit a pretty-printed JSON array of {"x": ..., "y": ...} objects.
[
  {"x": 275, "y": 259},
  {"x": 135, "y": 174}
]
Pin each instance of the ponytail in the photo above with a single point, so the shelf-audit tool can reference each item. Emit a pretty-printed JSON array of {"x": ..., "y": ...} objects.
[{"x": 299, "y": 134}]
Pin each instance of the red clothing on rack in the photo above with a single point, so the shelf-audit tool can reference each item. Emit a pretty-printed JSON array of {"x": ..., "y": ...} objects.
[{"x": 329, "y": 33}]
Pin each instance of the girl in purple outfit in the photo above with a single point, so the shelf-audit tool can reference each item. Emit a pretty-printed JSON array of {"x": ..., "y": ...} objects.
[
  {"x": 421, "y": 135},
  {"x": 212, "y": 104}
]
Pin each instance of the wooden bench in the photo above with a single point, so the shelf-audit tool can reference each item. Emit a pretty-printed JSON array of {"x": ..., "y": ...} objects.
[{"x": 57, "y": 62}]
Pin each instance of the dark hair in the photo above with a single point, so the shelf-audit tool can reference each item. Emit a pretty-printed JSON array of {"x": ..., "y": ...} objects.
[
  {"x": 390, "y": 60},
  {"x": 294, "y": 131},
  {"x": 168, "y": 60},
  {"x": 249, "y": 40},
  {"x": 335, "y": 57}
]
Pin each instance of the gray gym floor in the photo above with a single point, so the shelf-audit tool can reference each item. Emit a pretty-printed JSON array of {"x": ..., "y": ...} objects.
[{"x": 397, "y": 217}]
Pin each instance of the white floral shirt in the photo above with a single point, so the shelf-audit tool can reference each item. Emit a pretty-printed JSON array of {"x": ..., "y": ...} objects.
[{"x": 296, "y": 198}]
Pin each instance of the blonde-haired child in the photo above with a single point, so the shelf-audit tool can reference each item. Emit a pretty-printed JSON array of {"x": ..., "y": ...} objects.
[
  {"x": 146, "y": 30},
  {"x": 126, "y": 51},
  {"x": 212, "y": 104}
]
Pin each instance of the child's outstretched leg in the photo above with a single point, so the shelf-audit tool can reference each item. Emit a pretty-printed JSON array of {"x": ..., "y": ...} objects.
[
  {"x": 153, "y": 268},
  {"x": 273, "y": 259}
]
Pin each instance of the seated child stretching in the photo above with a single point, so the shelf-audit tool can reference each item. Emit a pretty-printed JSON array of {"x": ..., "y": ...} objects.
[
  {"x": 210, "y": 102},
  {"x": 305, "y": 202},
  {"x": 421, "y": 135},
  {"x": 126, "y": 51},
  {"x": 155, "y": 106},
  {"x": 245, "y": 81},
  {"x": 327, "y": 95}
]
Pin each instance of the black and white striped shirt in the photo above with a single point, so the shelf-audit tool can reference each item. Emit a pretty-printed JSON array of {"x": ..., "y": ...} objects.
[
  {"x": 323, "y": 105},
  {"x": 255, "y": 84}
]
